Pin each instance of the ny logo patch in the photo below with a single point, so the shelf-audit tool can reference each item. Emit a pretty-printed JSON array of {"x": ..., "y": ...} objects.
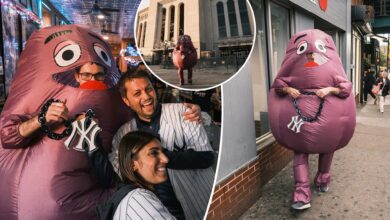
[
  {"x": 84, "y": 133},
  {"x": 295, "y": 124}
]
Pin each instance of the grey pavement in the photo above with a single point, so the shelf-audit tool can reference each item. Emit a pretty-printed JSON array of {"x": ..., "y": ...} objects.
[
  {"x": 201, "y": 77},
  {"x": 360, "y": 187}
]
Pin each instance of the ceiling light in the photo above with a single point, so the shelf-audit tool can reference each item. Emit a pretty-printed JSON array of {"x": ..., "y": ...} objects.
[{"x": 100, "y": 16}]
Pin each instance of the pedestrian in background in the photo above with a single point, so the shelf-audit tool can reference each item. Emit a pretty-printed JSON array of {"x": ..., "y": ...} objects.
[
  {"x": 369, "y": 81},
  {"x": 384, "y": 83}
]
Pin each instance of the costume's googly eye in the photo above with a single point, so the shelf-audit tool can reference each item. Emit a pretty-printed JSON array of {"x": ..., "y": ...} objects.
[
  {"x": 103, "y": 55},
  {"x": 68, "y": 55},
  {"x": 302, "y": 47},
  {"x": 320, "y": 46}
]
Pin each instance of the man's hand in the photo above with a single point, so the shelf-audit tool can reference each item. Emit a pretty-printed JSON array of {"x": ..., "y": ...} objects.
[
  {"x": 292, "y": 92},
  {"x": 325, "y": 91},
  {"x": 192, "y": 113},
  {"x": 57, "y": 112},
  {"x": 83, "y": 115}
]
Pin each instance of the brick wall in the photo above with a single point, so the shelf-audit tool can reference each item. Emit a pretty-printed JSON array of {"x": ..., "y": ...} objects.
[{"x": 238, "y": 192}]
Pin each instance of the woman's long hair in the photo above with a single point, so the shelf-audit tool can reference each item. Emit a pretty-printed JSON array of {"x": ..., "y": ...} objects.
[{"x": 129, "y": 147}]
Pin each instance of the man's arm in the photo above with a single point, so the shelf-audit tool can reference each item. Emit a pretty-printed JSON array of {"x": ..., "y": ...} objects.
[
  {"x": 198, "y": 153},
  {"x": 189, "y": 159},
  {"x": 342, "y": 88},
  {"x": 57, "y": 112},
  {"x": 102, "y": 167},
  {"x": 18, "y": 130},
  {"x": 10, "y": 136}
]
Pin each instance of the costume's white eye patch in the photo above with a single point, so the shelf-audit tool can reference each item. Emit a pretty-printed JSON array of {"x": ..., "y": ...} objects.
[
  {"x": 302, "y": 47},
  {"x": 103, "y": 54},
  {"x": 67, "y": 55},
  {"x": 320, "y": 46}
]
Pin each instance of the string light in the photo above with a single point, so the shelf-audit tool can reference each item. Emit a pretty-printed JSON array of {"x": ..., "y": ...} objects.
[{"x": 26, "y": 14}]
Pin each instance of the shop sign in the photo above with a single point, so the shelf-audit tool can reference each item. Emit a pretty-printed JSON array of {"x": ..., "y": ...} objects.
[{"x": 323, "y": 3}]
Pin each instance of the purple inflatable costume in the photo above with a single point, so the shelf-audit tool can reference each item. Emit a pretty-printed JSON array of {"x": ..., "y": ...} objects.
[
  {"x": 296, "y": 126},
  {"x": 40, "y": 178},
  {"x": 184, "y": 57}
]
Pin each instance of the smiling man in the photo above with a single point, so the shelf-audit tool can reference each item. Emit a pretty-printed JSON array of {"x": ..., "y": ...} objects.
[{"x": 187, "y": 190}]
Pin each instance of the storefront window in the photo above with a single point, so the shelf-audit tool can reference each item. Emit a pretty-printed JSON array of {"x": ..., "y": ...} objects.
[
  {"x": 266, "y": 58},
  {"x": 46, "y": 17},
  {"x": 259, "y": 71},
  {"x": 280, "y": 34},
  {"x": 11, "y": 45}
]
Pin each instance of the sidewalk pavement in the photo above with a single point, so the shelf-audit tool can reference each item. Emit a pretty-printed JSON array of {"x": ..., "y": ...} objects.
[
  {"x": 201, "y": 78},
  {"x": 360, "y": 187}
]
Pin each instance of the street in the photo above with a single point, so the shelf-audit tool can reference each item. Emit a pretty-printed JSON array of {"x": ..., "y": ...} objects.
[{"x": 360, "y": 186}]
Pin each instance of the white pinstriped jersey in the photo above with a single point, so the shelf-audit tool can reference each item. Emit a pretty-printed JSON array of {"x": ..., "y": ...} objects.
[
  {"x": 192, "y": 187},
  {"x": 141, "y": 204}
]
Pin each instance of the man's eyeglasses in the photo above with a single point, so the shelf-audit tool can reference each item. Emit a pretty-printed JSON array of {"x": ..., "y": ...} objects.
[{"x": 100, "y": 76}]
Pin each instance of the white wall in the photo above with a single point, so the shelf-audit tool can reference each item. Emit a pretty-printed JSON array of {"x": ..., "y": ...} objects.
[{"x": 238, "y": 129}]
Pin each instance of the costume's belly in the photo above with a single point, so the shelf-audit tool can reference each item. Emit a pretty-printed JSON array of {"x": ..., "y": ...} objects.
[
  {"x": 333, "y": 129},
  {"x": 50, "y": 182},
  {"x": 189, "y": 60},
  {"x": 44, "y": 180}
]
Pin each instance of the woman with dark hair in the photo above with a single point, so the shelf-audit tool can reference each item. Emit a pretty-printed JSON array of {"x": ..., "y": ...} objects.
[{"x": 142, "y": 164}]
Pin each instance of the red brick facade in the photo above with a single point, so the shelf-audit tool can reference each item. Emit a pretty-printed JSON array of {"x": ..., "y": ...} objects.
[{"x": 234, "y": 195}]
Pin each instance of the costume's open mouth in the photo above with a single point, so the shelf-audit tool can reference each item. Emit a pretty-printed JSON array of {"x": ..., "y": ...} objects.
[
  {"x": 318, "y": 60},
  {"x": 93, "y": 85},
  {"x": 68, "y": 78}
]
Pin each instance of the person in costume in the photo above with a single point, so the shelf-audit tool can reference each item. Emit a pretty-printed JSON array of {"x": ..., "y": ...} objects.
[
  {"x": 63, "y": 72},
  {"x": 311, "y": 109},
  {"x": 184, "y": 57}
]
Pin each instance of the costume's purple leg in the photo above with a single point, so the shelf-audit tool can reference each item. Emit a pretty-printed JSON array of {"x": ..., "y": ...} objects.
[
  {"x": 302, "y": 191},
  {"x": 323, "y": 175},
  {"x": 180, "y": 74}
]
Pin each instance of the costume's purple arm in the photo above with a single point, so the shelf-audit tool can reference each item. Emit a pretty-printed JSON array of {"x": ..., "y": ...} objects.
[
  {"x": 9, "y": 133},
  {"x": 344, "y": 85},
  {"x": 279, "y": 84}
]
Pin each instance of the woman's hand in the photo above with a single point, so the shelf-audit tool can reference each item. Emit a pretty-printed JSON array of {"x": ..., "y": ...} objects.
[
  {"x": 325, "y": 91},
  {"x": 192, "y": 113},
  {"x": 292, "y": 92}
]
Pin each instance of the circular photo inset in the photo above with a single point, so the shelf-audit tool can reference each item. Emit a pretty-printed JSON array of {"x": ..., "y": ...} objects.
[{"x": 194, "y": 44}]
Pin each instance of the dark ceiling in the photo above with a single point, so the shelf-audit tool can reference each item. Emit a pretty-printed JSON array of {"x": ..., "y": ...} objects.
[{"x": 119, "y": 24}]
